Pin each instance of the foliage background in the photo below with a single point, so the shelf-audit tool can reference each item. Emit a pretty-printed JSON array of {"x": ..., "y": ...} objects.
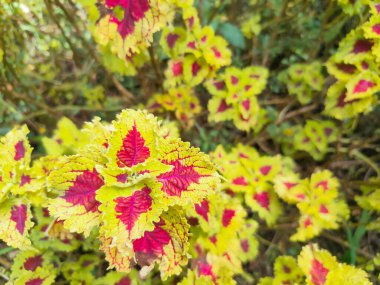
[{"x": 51, "y": 67}]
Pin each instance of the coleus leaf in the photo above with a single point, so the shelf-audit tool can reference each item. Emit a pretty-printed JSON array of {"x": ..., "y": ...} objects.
[
  {"x": 291, "y": 188},
  {"x": 264, "y": 201},
  {"x": 116, "y": 259},
  {"x": 225, "y": 219},
  {"x": 128, "y": 213},
  {"x": 15, "y": 223},
  {"x": 207, "y": 213},
  {"x": 338, "y": 106},
  {"x": 214, "y": 48},
  {"x": 286, "y": 270},
  {"x": 174, "y": 73},
  {"x": 249, "y": 245},
  {"x": 129, "y": 26},
  {"x": 15, "y": 148},
  {"x": 134, "y": 140},
  {"x": 348, "y": 275},
  {"x": 192, "y": 176},
  {"x": 29, "y": 261},
  {"x": 30, "y": 182},
  {"x": 41, "y": 276},
  {"x": 316, "y": 264},
  {"x": 219, "y": 110},
  {"x": 365, "y": 84},
  {"x": 195, "y": 70},
  {"x": 67, "y": 139},
  {"x": 172, "y": 40},
  {"x": 78, "y": 181},
  {"x": 166, "y": 244},
  {"x": 99, "y": 133},
  {"x": 16, "y": 175},
  {"x": 354, "y": 47}
]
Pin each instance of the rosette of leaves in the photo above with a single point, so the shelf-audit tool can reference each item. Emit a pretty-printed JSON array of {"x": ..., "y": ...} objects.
[
  {"x": 318, "y": 201},
  {"x": 225, "y": 230},
  {"x": 181, "y": 100},
  {"x": 234, "y": 97},
  {"x": 131, "y": 184},
  {"x": 315, "y": 137},
  {"x": 201, "y": 51},
  {"x": 251, "y": 176},
  {"x": 322, "y": 268},
  {"x": 31, "y": 267},
  {"x": 304, "y": 80},
  {"x": 186, "y": 71},
  {"x": 314, "y": 266},
  {"x": 286, "y": 271},
  {"x": 209, "y": 270},
  {"x": 128, "y": 26},
  {"x": 355, "y": 66},
  {"x": 195, "y": 53}
]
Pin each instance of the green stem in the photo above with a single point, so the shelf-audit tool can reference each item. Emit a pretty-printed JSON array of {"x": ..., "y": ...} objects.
[
  {"x": 355, "y": 239},
  {"x": 367, "y": 160}
]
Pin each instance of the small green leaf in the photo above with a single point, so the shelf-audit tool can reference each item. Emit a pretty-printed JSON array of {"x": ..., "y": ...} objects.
[
  {"x": 233, "y": 35},
  {"x": 5, "y": 250}
]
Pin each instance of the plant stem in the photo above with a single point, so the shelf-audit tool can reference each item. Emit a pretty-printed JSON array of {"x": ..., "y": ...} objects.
[
  {"x": 155, "y": 67},
  {"x": 366, "y": 159}
]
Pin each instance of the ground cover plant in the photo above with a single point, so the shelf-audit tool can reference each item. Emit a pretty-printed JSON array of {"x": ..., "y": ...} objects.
[{"x": 189, "y": 142}]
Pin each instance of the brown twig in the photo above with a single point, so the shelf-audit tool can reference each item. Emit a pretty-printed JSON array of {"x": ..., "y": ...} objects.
[
  {"x": 4, "y": 262},
  {"x": 295, "y": 113},
  {"x": 155, "y": 67}
]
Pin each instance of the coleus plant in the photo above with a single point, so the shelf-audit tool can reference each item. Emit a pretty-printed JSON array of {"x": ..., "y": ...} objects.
[
  {"x": 234, "y": 97},
  {"x": 313, "y": 138},
  {"x": 223, "y": 239},
  {"x": 132, "y": 187},
  {"x": 67, "y": 139},
  {"x": 250, "y": 176},
  {"x": 318, "y": 201},
  {"x": 21, "y": 186},
  {"x": 314, "y": 266},
  {"x": 128, "y": 185},
  {"x": 304, "y": 80},
  {"x": 197, "y": 48},
  {"x": 130, "y": 25},
  {"x": 355, "y": 66},
  {"x": 181, "y": 100},
  {"x": 195, "y": 54}
]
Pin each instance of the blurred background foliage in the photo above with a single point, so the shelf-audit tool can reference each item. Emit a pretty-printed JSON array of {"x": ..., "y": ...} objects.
[{"x": 50, "y": 67}]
